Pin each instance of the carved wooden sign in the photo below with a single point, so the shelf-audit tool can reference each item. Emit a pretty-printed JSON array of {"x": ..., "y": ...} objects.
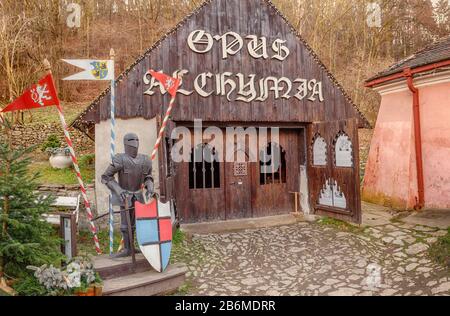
[
  {"x": 238, "y": 86},
  {"x": 332, "y": 195}
]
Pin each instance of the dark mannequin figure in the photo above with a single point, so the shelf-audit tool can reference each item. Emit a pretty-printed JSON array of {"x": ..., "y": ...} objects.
[{"x": 134, "y": 170}]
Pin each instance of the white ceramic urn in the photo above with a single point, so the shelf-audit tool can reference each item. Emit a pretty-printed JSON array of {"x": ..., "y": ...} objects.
[{"x": 60, "y": 161}]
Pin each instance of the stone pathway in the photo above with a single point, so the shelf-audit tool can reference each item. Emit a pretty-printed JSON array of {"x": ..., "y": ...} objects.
[{"x": 312, "y": 259}]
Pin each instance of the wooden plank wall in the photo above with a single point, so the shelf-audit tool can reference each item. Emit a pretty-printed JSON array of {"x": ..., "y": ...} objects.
[
  {"x": 347, "y": 178},
  {"x": 227, "y": 202}
]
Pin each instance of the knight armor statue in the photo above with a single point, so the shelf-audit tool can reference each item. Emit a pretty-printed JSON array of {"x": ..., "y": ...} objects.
[{"x": 133, "y": 170}]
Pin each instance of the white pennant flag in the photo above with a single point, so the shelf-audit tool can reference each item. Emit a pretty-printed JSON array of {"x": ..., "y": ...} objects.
[{"x": 93, "y": 69}]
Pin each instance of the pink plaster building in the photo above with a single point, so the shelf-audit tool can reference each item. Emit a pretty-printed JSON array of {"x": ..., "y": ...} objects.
[{"x": 409, "y": 160}]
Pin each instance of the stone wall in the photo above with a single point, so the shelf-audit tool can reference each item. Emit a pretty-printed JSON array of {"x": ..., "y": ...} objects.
[{"x": 36, "y": 134}]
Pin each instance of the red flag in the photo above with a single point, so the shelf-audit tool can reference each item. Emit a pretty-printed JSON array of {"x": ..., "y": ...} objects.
[
  {"x": 169, "y": 83},
  {"x": 39, "y": 95}
]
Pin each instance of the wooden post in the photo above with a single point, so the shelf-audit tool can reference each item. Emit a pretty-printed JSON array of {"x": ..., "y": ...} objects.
[{"x": 296, "y": 199}]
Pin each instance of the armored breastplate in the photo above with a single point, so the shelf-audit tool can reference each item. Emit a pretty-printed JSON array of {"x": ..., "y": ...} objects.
[{"x": 132, "y": 176}]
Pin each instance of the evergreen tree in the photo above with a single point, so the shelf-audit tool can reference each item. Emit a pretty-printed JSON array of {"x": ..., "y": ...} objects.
[{"x": 25, "y": 238}]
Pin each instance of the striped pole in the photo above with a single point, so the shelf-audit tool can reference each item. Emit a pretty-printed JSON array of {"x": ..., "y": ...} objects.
[
  {"x": 113, "y": 152},
  {"x": 87, "y": 205},
  {"x": 163, "y": 128}
]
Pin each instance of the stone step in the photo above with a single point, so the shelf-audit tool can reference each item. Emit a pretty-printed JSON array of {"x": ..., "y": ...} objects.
[
  {"x": 146, "y": 283},
  {"x": 242, "y": 224},
  {"x": 109, "y": 268}
]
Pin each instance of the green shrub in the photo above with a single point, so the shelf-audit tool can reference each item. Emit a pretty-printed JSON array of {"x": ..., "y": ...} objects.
[
  {"x": 25, "y": 239},
  {"x": 28, "y": 285},
  {"x": 51, "y": 142},
  {"x": 87, "y": 160}
]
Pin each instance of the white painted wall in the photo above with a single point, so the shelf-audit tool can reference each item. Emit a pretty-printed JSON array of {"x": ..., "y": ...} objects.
[
  {"x": 304, "y": 191},
  {"x": 145, "y": 129}
]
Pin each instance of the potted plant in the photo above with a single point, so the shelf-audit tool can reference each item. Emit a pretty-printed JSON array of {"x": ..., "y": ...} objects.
[
  {"x": 89, "y": 283},
  {"x": 60, "y": 157}
]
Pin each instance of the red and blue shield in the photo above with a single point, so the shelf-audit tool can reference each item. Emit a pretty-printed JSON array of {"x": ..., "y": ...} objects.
[{"x": 154, "y": 232}]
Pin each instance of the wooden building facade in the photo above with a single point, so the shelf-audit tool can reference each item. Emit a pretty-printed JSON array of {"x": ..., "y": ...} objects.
[{"x": 244, "y": 65}]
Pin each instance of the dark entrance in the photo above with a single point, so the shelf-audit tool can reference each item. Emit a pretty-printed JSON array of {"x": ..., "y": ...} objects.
[{"x": 272, "y": 187}]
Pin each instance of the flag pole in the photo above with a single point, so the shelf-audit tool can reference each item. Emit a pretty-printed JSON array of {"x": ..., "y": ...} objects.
[
  {"x": 113, "y": 152},
  {"x": 164, "y": 124},
  {"x": 76, "y": 167}
]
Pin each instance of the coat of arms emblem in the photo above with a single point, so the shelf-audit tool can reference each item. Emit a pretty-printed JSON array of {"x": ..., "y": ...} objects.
[
  {"x": 40, "y": 94},
  {"x": 100, "y": 69}
]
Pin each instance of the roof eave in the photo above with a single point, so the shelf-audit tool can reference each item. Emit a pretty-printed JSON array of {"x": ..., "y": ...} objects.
[{"x": 378, "y": 80}]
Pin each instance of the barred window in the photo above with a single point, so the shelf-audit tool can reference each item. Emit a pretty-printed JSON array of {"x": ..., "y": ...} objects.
[
  {"x": 204, "y": 168},
  {"x": 272, "y": 165}
]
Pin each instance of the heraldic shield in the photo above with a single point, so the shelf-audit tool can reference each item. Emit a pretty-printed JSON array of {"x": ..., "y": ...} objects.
[{"x": 154, "y": 232}]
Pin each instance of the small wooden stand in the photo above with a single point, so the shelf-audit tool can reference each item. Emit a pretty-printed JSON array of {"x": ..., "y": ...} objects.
[
  {"x": 296, "y": 197},
  {"x": 68, "y": 233}
]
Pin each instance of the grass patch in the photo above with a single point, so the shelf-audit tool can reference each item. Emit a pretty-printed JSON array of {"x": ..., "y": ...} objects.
[
  {"x": 86, "y": 243},
  {"x": 49, "y": 175},
  {"x": 184, "y": 289},
  {"x": 178, "y": 237},
  {"x": 440, "y": 251},
  {"x": 177, "y": 246},
  {"x": 340, "y": 225}
]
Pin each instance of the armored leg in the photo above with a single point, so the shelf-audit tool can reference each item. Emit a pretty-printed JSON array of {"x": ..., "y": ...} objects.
[
  {"x": 133, "y": 224},
  {"x": 127, "y": 239}
]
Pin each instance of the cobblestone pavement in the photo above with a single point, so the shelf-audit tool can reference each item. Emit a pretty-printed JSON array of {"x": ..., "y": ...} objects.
[{"x": 313, "y": 259}]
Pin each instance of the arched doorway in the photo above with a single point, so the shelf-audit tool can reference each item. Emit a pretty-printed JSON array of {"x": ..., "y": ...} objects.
[{"x": 278, "y": 174}]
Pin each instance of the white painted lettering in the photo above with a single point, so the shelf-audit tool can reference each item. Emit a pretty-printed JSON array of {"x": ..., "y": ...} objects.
[
  {"x": 257, "y": 47},
  {"x": 231, "y": 47},
  {"x": 281, "y": 50},
  {"x": 200, "y": 38}
]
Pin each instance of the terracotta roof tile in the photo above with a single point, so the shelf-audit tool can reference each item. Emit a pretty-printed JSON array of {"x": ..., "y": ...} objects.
[{"x": 433, "y": 53}]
